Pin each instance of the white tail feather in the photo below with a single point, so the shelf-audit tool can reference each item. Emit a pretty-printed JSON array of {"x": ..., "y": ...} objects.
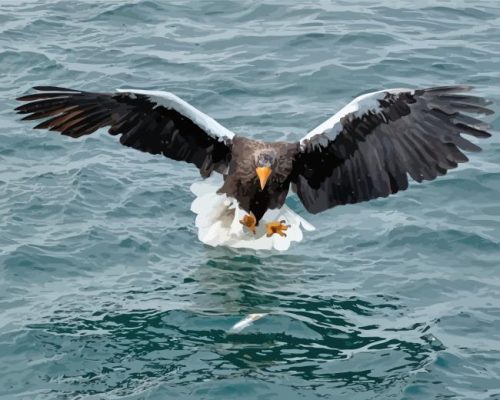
[{"x": 218, "y": 221}]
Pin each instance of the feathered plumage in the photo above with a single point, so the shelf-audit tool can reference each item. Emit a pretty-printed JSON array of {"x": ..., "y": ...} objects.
[{"x": 365, "y": 151}]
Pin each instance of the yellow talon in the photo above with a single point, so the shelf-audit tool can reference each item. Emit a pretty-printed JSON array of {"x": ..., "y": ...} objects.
[
  {"x": 250, "y": 222},
  {"x": 276, "y": 227}
]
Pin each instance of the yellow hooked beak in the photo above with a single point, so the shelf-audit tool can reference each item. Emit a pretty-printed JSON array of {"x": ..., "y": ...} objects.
[{"x": 263, "y": 174}]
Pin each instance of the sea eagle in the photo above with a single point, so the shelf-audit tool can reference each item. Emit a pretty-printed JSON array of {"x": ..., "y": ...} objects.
[{"x": 365, "y": 151}]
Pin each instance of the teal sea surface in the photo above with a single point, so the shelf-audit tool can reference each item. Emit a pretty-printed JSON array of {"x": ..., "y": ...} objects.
[{"x": 105, "y": 290}]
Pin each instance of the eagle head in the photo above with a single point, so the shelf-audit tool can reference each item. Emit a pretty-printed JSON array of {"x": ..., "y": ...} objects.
[{"x": 263, "y": 167}]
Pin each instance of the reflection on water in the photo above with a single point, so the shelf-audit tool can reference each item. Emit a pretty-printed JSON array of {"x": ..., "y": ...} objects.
[{"x": 343, "y": 341}]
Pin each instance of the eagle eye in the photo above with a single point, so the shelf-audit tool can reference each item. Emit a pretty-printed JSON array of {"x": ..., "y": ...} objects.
[{"x": 265, "y": 160}]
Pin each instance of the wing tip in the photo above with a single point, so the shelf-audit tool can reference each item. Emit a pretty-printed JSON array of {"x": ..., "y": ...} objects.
[
  {"x": 44, "y": 88},
  {"x": 449, "y": 88},
  {"x": 46, "y": 92}
]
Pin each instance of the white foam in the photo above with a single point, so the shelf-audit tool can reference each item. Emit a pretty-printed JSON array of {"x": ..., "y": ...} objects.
[{"x": 218, "y": 221}]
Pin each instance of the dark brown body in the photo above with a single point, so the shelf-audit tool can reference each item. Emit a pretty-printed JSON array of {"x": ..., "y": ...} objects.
[{"x": 242, "y": 184}]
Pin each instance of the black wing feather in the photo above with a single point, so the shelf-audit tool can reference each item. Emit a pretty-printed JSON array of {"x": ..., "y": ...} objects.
[
  {"x": 142, "y": 123},
  {"x": 416, "y": 133}
]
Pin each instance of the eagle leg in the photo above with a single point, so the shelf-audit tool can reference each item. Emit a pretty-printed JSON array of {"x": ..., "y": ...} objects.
[
  {"x": 250, "y": 222},
  {"x": 276, "y": 227}
]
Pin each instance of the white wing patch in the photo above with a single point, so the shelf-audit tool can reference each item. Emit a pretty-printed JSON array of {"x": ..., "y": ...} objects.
[
  {"x": 358, "y": 106},
  {"x": 173, "y": 102}
]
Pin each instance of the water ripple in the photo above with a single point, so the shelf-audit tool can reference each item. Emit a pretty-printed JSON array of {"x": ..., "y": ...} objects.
[{"x": 105, "y": 291}]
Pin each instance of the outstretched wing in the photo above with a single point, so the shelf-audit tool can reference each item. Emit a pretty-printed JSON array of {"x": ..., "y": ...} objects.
[
  {"x": 151, "y": 121},
  {"x": 368, "y": 149}
]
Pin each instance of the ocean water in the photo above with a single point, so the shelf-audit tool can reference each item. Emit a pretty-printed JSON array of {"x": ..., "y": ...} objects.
[{"x": 105, "y": 291}]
